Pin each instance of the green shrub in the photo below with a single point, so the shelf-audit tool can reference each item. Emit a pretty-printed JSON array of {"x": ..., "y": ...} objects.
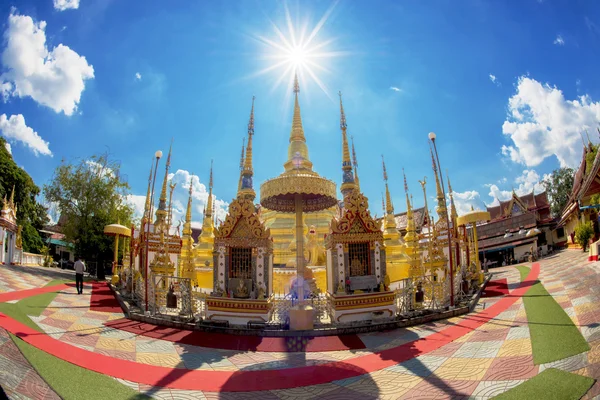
[{"x": 583, "y": 232}]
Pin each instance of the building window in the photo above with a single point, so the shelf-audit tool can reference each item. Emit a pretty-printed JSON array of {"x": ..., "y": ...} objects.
[
  {"x": 560, "y": 232},
  {"x": 240, "y": 261},
  {"x": 359, "y": 256}
]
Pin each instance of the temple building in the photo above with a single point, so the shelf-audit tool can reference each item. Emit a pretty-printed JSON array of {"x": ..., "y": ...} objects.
[
  {"x": 11, "y": 249},
  {"x": 242, "y": 280},
  {"x": 356, "y": 253},
  {"x": 517, "y": 226},
  {"x": 579, "y": 207}
]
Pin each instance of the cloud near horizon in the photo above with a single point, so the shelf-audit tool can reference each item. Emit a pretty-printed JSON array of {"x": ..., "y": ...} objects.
[
  {"x": 541, "y": 123},
  {"x": 180, "y": 199}
]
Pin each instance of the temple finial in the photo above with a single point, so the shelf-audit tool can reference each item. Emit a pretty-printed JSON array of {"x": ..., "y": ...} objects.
[
  {"x": 297, "y": 150},
  {"x": 389, "y": 206},
  {"x": 161, "y": 212},
  {"x": 248, "y": 161},
  {"x": 209, "y": 207},
  {"x": 296, "y": 84},
  {"x": 453, "y": 212},
  {"x": 441, "y": 201},
  {"x": 147, "y": 206},
  {"x": 246, "y": 189},
  {"x": 355, "y": 164},
  {"x": 348, "y": 184}
]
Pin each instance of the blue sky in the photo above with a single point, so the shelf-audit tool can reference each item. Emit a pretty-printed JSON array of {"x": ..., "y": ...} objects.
[{"x": 507, "y": 86}]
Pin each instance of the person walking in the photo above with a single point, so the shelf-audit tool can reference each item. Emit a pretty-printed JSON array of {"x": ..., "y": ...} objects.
[{"x": 79, "y": 270}]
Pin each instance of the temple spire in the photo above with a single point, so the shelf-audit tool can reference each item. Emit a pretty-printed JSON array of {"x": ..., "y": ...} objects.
[
  {"x": 453, "y": 213},
  {"x": 297, "y": 150},
  {"x": 441, "y": 201},
  {"x": 389, "y": 208},
  {"x": 410, "y": 237},
  {"x": 209, "y": 206},
  {"x": 248, "y": 161},
  {"x": 187, "y": 227},
  {"x": 246, "y": 188},
  {"x": 348, "y": 184},
  {"x": 355, "y": 164},
  {"x": 147, "y": 206},
  {"x": 161, "y": 212}
]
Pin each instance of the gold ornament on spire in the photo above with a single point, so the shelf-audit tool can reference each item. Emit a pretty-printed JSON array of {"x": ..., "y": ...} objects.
[
  {"x": 453, "y": 213},
  {"x": 441, "y": 201},
  {"x": 246, "y": 188},
  {"x": 297, "y": 150},
  {"x": 389, "y": 208},
  {"x": 207, "y": 224},
  {"x": 348, "y": 184},
  {"x": 161, "y": 212},
  {"x": 148, "y": 206}
]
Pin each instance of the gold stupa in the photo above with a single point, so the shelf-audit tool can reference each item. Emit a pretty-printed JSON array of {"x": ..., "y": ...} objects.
[{"x": 297, "y": 186}]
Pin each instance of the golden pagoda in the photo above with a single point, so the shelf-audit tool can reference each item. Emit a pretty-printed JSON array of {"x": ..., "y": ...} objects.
[
  {"x": 282, "y": 225},
  {"x": 396, "y": 261},
  {"x": 203, "y": 251}
]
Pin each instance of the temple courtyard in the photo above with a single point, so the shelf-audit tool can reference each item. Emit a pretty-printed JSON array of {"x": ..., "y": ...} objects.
[{"x": 57, "y": 344}]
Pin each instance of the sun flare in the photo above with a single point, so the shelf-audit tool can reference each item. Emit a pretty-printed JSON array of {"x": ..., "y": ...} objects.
[{"x": 298, "y": 51}]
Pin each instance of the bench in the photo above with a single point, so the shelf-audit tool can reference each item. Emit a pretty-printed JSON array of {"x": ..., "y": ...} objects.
[{"x": 366, "y": 282}]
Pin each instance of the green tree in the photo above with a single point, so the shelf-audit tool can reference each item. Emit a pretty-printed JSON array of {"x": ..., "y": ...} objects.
[
  {"x": 559, "y": 187},
  {"x": 31, "y": 215},
  {"x": 89, "y": 195}
]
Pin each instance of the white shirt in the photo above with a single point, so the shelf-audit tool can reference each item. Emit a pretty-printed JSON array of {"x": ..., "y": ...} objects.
[{"x": 79, "y": 267}]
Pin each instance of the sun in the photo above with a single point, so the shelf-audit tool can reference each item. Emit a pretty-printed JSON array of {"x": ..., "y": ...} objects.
[{"x": 298, "y": 51}]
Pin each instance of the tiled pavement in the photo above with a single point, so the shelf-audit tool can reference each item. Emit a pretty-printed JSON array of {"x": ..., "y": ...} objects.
[
  {"x": 18, "y": 379},
  {"x": 488, "y": 361}
]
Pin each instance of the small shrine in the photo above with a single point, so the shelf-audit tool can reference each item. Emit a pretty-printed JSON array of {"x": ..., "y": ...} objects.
[
  {"x": 10, "y": 233},
  {"x": 356, "y": 256},
  {"x": 243, "y": 256}
]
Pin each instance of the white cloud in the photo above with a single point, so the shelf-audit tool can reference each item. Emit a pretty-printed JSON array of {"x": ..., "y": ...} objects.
[
  {"x": 180, "y": 199},
  {"x": 138, "y": 76},
  {"x": 99, "y": 169},
  {"x": 395, "y": 89},
  {"x": 54, "y": 78},
  {"x": 8, "y": 147},
  {"x": 542, "y": 123},
  {"x": 464, "y": 200},
  {"x": 559, "y": 41},
  {"x": 494, "y": 80},
  {"x": 62, "y": 5},
  {"x": 526, "y": 182},
  {"x": 14, "y": 128}
]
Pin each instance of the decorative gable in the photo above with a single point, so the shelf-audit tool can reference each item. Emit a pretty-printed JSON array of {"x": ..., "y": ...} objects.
[
  {"x": 356, "y": 223},
  {"x": 242, "y": 227}
]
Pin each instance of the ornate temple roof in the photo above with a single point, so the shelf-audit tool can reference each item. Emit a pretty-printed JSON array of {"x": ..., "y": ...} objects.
[{"x": 527, "y": 202}]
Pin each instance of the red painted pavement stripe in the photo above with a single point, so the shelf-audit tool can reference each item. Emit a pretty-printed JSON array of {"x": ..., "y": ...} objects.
[
  {"x": 238, "y": 381},
  {"x": 103, "y": 299},
  {"x": 238, "y": 342},
  {"x": 22, "y": 294}
]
